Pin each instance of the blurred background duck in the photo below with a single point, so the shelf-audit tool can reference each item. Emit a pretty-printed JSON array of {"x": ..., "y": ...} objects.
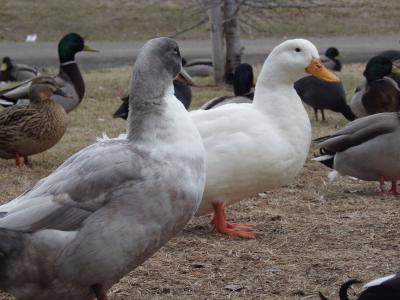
[
  {"x": 331, "y": 59},
  {"x": 201, "y": 67},
  {"x": 367, "y": 148},
  {"x": 379, "y": 90},
  {"x": 322, "y": 95},
  {"x": 243, "y": 81},
  {"x": 30, "y": 129},
  {"x": 11, "y": 71},
  {"x": 69, "y": 76}
]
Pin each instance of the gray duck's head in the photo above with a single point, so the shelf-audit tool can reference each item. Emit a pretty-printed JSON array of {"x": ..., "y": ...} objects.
[{"x": 159, "y": 62}]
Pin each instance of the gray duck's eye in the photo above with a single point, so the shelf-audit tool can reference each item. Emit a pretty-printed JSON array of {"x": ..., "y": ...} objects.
[
  {"x": 297, "y": 49},
  {"x": 176, "y": 51}
]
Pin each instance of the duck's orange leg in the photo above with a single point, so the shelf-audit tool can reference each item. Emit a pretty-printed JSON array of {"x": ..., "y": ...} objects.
[
  {"x": 393, "y": 190},
  {"x": 220, "y": 225},
  {"x": 100, "y": 292},
  {"x": 18, "y": 160},
  {"x": 381, "y": 180}
]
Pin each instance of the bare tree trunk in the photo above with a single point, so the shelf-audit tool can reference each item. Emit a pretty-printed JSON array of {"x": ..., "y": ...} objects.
[
  {"x": 232, "y": 38},
  {"x": 217, "y": 40}
]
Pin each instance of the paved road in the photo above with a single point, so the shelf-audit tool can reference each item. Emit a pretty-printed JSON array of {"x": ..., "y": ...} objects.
[{"x": 354, "y": 49}]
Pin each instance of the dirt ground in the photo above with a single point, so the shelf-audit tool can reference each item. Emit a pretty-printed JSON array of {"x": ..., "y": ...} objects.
[{"x": 312, "y": 235}]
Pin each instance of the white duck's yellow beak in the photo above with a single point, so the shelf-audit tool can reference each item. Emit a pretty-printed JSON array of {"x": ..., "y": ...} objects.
[{"x": 317, "y": 69}]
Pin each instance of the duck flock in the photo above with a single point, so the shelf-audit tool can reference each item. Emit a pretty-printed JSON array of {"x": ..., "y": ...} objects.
[{"x": 112, "y": 205}]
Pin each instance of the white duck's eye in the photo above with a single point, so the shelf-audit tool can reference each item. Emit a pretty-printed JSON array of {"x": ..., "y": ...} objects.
[
  {"x": 176, "y": 51},
  {"x": 297, "y": 49}
]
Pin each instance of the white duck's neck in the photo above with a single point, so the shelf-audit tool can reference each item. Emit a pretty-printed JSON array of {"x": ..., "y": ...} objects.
[{"x": 275, "y": 95}]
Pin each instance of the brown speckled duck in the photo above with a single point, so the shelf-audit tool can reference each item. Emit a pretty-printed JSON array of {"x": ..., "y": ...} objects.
[{"x": 34, "y": 128}]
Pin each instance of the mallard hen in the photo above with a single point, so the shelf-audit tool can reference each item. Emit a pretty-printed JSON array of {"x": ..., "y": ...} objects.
[{"x": 30, "y": 129}]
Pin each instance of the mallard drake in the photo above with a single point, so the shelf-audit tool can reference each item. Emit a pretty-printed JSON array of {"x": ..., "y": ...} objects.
[
  {"x": 379, "y": 91},
  {"x": 182, "y": 92},
  {"x": 322, "y": 95},
  {"x": 201, "y": 67},
  {"x": 366, "y": 148},
  {"x": 331, "y": 60},
  {"x": 255, "y": 147},
  {"x": 110, "y": 206},
  {"x": 16, "y": 72},
  {"x": 69, "y": 76},
  {"x": 31, "y": 129},
  {"x": 243, "y": 81},
  {"x": 383, "y": 288}
]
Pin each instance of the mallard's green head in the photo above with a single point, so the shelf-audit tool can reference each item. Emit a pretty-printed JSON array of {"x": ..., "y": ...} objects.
[
  {"x": 378, "y": 67},
  {"x": 6, "y": 64},
  {"x": 71, "y": 44},
  {"x": 332, "y": 53}
]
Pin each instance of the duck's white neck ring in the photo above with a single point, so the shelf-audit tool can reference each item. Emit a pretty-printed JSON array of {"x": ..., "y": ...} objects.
[{"x": 68, "y": 63}]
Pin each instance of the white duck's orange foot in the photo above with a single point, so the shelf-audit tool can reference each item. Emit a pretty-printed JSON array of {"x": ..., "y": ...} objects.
[
  {"x": 244, "y": 227},
  {"x": 241, "y": 233},
  {"x": 237, "y": 230}
]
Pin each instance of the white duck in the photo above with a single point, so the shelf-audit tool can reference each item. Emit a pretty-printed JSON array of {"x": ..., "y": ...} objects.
[
  {"x": 255, "y": 147},
  {"x": 113, "y": 204}
]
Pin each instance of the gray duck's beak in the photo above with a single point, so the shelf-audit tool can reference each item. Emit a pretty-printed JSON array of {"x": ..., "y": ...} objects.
[{"x": 183, "y": 78}]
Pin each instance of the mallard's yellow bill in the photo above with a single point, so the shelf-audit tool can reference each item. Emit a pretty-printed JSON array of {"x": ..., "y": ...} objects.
[
  {"x": 3, "y": 67},
  {"x": 89, "y": 49},
  {"x": 317, "y": 69},
  {"x": 395, "y": 70}
]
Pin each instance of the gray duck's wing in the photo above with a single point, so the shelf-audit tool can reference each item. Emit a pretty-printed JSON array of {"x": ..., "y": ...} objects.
[
  {"x": 79, "y": 187},
  {"x": 360, "y": 131}
]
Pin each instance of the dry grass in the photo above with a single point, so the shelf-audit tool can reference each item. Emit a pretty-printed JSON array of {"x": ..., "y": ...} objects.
[
  {"x": 124, "y": 20},
  {"x": 311, "y": 235}
]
